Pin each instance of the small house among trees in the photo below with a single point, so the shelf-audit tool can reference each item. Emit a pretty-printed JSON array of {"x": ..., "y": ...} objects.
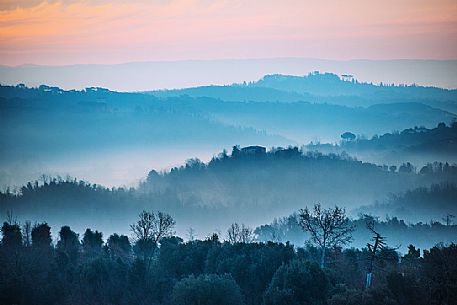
[{"x": 254, "y": 150}]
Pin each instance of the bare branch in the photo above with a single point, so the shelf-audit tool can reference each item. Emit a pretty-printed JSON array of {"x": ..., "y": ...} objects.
[
  {"x": 328, "y": 227},
  {"x": 240, "y": 234}
]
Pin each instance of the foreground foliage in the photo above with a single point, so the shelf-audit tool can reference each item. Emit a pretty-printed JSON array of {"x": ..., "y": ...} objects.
[{"x": 88, "y": 270}]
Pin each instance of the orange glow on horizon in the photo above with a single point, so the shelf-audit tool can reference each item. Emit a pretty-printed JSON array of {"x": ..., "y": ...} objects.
[{"x": 116, "y": 31}]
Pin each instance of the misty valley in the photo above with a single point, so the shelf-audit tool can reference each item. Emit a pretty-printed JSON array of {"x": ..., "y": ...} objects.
[{"x": 314, "y": 189}]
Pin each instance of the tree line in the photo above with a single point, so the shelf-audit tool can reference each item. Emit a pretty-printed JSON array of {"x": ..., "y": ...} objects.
[{"x": 153, "y": 266}]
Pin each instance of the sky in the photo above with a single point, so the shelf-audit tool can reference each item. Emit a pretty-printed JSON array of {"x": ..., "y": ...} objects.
[{"x": 106, "y": 32}]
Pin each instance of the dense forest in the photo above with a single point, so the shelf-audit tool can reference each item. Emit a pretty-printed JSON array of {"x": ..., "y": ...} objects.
[{"x": 156, "y": 267}]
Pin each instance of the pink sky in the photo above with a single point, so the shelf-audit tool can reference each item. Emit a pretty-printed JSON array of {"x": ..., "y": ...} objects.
[{"x": 101, "y": 31}]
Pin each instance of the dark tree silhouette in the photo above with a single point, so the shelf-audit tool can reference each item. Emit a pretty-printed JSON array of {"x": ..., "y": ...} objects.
[
  {"x": 68, "y": 244},
  {"x": 348, "y": 136},
  {"x": 297, "y": 283},
  {"x": 41, "y": 236},
  {"x": 12, "y": 235},
  {"x": 119, "y": 246},
  {"x": 92, "y": 242},
  {"x": 440, "y": 267}
]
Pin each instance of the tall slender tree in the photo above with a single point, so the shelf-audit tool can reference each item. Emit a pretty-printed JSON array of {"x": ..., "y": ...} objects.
[{"x": 373, "y": 250}]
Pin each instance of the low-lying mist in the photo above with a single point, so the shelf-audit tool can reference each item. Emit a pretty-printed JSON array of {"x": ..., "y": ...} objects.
[{"x": 249, "y": 185}]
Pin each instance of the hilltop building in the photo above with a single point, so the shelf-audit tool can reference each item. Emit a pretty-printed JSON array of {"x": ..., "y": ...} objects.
[{"x": 253, "y": 150}]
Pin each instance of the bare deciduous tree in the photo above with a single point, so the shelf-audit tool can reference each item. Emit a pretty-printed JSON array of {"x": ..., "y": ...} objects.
[
  {"x": 191, "y": 234},
  {"x": 153, "y": 227},
  {"x": 149, "y": 230},
  {"x": 240, "y": 234},
  {"x": 328, "y": 227}
]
